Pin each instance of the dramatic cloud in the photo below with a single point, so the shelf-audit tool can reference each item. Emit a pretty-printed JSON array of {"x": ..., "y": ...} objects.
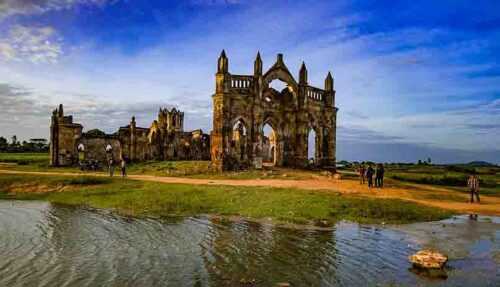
[
  {"x": 28, "y": 7},
  {"x": 32, "y": 44},
  {"x": 405, "y": 88}
]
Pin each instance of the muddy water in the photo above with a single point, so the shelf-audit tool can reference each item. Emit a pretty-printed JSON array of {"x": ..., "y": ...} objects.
[{"x": 46, "y": 245}]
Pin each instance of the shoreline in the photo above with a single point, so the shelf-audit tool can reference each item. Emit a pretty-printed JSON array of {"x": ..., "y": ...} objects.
[
  {"x": 433, "y": 196},
  {"x": 130, "y": 197}
]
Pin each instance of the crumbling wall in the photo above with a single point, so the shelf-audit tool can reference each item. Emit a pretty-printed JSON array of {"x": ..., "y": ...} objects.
[
  {"x": 164, "y": 140},
  {"x": 292, "y": 112}
]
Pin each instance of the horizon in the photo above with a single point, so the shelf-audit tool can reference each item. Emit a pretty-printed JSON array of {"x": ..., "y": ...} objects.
[{"x": 413, "y": 81}]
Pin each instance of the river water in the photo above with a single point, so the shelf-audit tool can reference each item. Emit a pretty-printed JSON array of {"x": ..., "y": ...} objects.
[{"x": 47, "y": 245}]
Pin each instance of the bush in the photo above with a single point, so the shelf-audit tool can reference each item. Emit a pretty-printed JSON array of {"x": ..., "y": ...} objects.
[{"x": 462, "y": 169}]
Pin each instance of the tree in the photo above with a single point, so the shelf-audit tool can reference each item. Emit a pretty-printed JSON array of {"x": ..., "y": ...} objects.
[
  {"x": 3, "y": 144},
  {"x": 419, "y": 162},
  {"x": 39, "y": 144},
  {"x": 13, "y": 141},
  {"x": 429, "y": 160}
]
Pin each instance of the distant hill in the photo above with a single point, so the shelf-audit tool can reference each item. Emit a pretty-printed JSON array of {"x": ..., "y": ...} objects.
[{"x": 480, "y": 163}]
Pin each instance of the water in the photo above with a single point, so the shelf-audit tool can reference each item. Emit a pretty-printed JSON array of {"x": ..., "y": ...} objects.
[{"x": 46, "y": 245}]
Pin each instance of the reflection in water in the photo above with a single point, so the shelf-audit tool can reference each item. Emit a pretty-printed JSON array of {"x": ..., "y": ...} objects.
[{"x": 45, "y": 245}]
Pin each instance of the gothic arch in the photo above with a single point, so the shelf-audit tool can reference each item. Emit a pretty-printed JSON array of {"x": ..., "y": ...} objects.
[{"x": 255, "y": 103}]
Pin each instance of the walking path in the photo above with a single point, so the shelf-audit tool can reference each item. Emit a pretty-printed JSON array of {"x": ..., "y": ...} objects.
[{"x": 424, "y": 194}]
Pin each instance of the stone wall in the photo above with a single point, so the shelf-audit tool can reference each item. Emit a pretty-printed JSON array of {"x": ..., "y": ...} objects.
[
  {"x": 164, "y": 140},
  {"x": 251, "y": 101}
]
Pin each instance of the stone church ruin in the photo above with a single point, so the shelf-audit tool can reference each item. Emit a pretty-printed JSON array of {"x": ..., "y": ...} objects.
[
  {"x": 165, "y": 139},
  {"x": 255, "y": 123},
  {"x": 244, "y": 104}
]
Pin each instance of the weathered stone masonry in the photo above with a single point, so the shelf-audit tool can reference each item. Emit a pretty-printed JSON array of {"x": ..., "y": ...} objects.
[
  {"x": 164, "y": 140},
  {"x": 242, "y": 106},
  {"x": 247, "y": 103}
]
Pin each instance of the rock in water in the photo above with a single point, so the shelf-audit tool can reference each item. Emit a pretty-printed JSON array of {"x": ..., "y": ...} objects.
[{"x": 428, "y": 259}]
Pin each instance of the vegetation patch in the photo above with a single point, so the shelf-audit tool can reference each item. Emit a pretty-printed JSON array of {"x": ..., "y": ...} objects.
[{"x": 138, "y": 198}]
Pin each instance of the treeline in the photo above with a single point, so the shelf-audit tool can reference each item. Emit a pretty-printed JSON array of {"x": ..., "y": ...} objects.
[{"x": 14, "y": 145}]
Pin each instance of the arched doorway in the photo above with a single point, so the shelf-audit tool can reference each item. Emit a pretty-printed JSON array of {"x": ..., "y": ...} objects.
[
  {"x": 239, "y": 140},
  {"x": 269, "y": 148},
  {"x": 312, "y": 144}
]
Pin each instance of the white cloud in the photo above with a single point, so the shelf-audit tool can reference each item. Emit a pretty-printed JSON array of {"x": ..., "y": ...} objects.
[
  {"x": 29, "y": 7},
  {"x": 31, "y": 44},
  {"x": 419, "y": 94}
]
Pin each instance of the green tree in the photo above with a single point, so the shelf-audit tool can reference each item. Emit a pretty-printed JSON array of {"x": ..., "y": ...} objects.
[
  {"x": 3, "y": 144},
  {"x": 13, "y": 141}
]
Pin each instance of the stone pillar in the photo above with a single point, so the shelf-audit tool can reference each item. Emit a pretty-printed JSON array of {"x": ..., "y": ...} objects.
[{"x": 54, "y": 140}]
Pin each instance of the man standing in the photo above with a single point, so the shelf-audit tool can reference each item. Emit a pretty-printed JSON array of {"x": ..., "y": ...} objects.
[
  {"x": 361, "y": 172},
  {"x": 123, "y": 165},
  {"x": 111, "y": 167},
  {"x": 379, "y": 176},
  {"x": 473, "y": 184},
  {"x": 369, "y": 176}
]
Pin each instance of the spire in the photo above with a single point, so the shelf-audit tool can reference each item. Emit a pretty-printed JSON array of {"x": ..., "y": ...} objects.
[
  {"x": 279, "y": 59},
  {"x": 329, "y": 82},
  {"x": 303, "y": 74},
  {"x": 61, "y": 111},
  {"x": 258, "y": 65},
  {"x": 223, "y": 63}
]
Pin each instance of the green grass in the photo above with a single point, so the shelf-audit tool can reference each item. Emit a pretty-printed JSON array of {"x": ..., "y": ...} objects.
[
  {"x": 139, "y": 198},
  {"x": 25, "y": 158},
  {"x": 201, "y": 169},
  {"x": 452, "y": 177}
]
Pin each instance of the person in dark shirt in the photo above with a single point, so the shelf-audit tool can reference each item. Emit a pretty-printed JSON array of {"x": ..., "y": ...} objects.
[
  {"x": 369, "y": 175},
  {"x": 379, "y": 176}
]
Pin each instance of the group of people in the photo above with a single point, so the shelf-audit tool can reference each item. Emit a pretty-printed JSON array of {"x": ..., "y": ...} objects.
[
  {"x": 366, "y": 175},
  {"x": 123, "y": 167}
]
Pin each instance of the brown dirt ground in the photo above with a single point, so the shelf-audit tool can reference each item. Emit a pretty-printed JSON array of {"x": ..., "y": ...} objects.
[{"x": 424, "y": 194}]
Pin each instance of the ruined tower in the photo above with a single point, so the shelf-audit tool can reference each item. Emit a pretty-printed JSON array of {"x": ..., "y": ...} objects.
[
  {"x": 64, "y": 134},
  {"x": 249, "y": 102}
]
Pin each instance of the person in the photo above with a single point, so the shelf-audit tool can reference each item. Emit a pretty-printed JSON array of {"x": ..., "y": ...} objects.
[
  {"x": 473, "y": 184},
  {"x": 369, "y": 175},
  {"x": 379, "y": 176},
  {"x": 361, "y": 171},
  {"x": 123, "y": 165},
  {"x": 111, "y": 167}
]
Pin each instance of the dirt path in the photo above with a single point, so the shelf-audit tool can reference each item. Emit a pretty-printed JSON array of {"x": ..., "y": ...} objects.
[{"x": 428, "y": 195}]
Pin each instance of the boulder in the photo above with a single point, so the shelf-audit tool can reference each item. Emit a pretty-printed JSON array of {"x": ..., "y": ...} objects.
[{"x": 428, "y": 259}]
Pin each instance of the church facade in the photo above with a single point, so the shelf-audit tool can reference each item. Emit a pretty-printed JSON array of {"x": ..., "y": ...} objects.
[{"x": 243, "y": 105}]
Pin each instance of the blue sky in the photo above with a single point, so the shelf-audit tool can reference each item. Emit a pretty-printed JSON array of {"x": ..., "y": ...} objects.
[{"x": 414, "y": 79}]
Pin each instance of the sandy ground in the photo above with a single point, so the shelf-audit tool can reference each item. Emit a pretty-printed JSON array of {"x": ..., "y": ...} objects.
[{"x": 424, "y": 194}]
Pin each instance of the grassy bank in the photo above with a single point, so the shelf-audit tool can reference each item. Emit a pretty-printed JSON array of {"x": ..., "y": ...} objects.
[
  {"x": 26, "y": 158},
  {"x": 190, "y": 169},
  {"x": 452, "y": 177},
  {"x": 138, "y": 198}
]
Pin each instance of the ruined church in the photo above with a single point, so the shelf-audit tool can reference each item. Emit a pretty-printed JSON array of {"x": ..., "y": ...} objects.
[
  {"x": 243, "y": 107},
  {"x": 165, "y": 139}
]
